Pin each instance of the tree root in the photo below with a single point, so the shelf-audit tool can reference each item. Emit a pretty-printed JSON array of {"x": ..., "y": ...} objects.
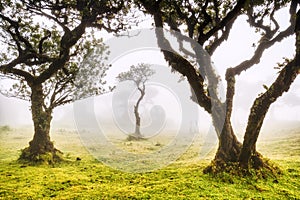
[
  {"x": 48, "y": 157},
  {"x": 259, "y": 167},
  {"x": 135, "y": 137}
]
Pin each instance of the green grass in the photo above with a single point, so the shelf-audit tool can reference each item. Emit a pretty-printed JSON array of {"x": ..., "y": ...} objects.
[{"x": 183, "y": 179}]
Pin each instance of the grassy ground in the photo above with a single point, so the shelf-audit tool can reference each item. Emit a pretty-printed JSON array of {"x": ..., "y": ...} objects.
[{"x": 183, "y": 179}]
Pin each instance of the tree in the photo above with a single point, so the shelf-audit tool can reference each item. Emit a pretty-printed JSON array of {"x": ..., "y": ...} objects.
[
  {"x": 139, "y": 75},
  {"x": 44, "y": 43},
  {"x": 209, "y": 23},
  {"x": 260, "y": 107}
]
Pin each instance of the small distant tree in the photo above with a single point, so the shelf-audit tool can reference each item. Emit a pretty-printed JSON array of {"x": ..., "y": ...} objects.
[{"x": 139, "y": 75}]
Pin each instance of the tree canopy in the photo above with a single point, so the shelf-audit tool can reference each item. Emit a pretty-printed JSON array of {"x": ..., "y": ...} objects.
[{"x": 138, "y": 74}]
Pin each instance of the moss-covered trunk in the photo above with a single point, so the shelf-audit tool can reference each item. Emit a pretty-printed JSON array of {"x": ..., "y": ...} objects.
[
  {"x": 40, "y": 149},
  {"x": 229, "y": 147},
  {"x": 261, "y": 105}
]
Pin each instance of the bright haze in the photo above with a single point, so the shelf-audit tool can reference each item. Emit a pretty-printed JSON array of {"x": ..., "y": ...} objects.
[{"x": 161, "y": 104}]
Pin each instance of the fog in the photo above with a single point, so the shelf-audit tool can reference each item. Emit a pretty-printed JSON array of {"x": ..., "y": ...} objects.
[{"x": 161, "y": 110}]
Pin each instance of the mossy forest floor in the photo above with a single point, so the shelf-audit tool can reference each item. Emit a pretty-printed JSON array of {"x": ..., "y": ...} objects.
[{"x": 88, "y": 178}]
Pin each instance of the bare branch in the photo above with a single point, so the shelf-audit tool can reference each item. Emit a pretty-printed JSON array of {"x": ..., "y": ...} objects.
[
  {"x": 218, "y": 40},
  {"x": 185, "y": 68},
  {"x": 261, "y": 106},
  {"x": 55, "y": 19},
  {"x": 266, "y": 42},
  {"x": 229, "y": 17},
  {"x": 28, "y": 77}
]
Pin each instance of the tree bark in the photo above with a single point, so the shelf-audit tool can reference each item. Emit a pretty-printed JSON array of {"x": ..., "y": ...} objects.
[
  {"x": 229, "y": 147},
  {"x": 40, "y": 149},
  {"x": 137, "y": 132}
]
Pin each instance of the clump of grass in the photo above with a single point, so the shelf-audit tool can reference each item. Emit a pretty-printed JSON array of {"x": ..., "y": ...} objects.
[
  {"x": 5, "y": 128},
  {"x": 135, "y": 137},
  {"x": 158, "y": 144}
]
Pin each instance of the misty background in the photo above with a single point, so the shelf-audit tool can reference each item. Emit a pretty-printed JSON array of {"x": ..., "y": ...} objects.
[{"x": 161, "y": 108}]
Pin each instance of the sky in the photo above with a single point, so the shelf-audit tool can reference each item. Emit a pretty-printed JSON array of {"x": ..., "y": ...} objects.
[{"x": 164, "y": 99}]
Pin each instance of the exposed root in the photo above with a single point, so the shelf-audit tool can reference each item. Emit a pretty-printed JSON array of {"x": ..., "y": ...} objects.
[
  {"x": 259, "y": 167},
  {"x": 47, "y": 157}
]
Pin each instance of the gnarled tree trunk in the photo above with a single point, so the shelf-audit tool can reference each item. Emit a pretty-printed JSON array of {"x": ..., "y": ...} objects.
[
  {"x": 229, "y": 147},
  {"x": 261, "y": 105},
  {"x": 137, "y": 133},
  {"x": 40, "y": 149}
]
